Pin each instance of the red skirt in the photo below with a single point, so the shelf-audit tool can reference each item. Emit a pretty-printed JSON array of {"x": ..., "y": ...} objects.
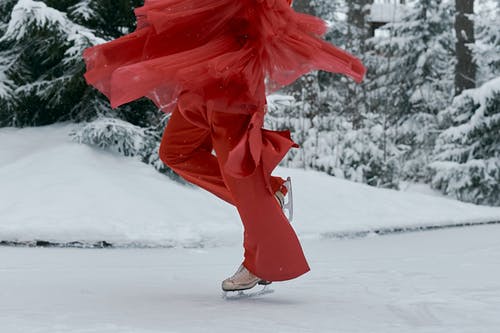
[{"x": 230, "y": 51}]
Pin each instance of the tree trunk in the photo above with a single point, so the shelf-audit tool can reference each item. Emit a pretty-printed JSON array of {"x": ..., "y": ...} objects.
[
  {"x": 465, "y": 70},
  {"x": 358, "y": 32}
]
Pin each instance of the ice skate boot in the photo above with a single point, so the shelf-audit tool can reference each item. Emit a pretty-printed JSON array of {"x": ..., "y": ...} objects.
[
  {"x": 243, "y": 280},
  {"x": 286, "y": 200}
]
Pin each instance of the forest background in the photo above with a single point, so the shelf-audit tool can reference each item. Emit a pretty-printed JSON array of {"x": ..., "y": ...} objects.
[{"x": 428, "y": 110}]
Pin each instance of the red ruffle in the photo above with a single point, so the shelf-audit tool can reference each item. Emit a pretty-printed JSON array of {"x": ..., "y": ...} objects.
[{"x": 223, "y": 49}]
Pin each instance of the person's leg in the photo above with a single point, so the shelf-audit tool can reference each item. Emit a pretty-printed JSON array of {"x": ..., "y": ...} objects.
[
  {"x": 187, "y": 149},
  {"x": 272, "y": 249}
]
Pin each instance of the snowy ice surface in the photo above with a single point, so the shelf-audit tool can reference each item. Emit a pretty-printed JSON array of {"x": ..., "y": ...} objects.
[
  {"x": 445, "y": 281},
  {"x": 56, "y": 190}
]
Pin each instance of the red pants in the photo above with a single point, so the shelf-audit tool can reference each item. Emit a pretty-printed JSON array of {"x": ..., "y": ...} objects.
[{"x": 194, "y": 131}]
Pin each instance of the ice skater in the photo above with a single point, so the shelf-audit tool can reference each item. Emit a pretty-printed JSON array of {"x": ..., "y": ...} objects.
[{"x": 210, "y": 64}]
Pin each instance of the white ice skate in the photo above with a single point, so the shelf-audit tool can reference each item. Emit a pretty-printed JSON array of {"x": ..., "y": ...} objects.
[
  {"x": 235, "y": 286},
  {"x": 286, "y": 201}
]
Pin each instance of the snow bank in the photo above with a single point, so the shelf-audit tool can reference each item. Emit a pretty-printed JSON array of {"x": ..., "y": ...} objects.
[{"x": 56, "y": 190}]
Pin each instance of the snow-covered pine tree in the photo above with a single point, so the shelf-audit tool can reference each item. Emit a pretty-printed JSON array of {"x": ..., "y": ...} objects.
[
  {"x": 412, "y": 79},
  {"x": 467, "y": 153},
  {"x": 108, "y": 18},
  {"x": 122, "y": 137},
  {"x": 487, "y": 47},
  {"x": 83, "y": 13},
  {"x": 41, "y": 73},
  {"x": 358, "y": 32},
  {"x": 306, "y": 92},
  {"x": 364, "y": 152},
  {"x": 42, "y": 62},
  {"x": 134, "y": 129},
  {"x": 302, "y": 115},
  {"x": 332, "y": 145},
  {"x": 6, "y": 85},
  {"x": 112, "y": 134}
]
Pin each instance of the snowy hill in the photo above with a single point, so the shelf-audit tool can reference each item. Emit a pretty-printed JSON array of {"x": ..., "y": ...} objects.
[{"x": 56, "y": 190}]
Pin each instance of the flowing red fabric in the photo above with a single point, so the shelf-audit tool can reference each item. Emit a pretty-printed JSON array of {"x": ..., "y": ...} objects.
[
  {"x": 223, "y": 49},
  {"x": 215, "y": 60}
]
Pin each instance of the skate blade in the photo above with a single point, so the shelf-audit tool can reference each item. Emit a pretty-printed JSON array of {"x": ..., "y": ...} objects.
[
  {"x": 289, "y": 203},
  {"x": 242, "y": 294},
  {"x": 264, "y": 282}
]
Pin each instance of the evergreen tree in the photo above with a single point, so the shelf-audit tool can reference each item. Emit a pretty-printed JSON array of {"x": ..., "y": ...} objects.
[
  {"x": 357, "y": 34},
  {"x": 306, "y": 89},
  {"x": 43, "y": 66},
  {"x": 467, "y": 154},
  {"x": 412, "y": 79},
  {"x": 332, "y": 145},
  {"x": 41, "y": 73},
  {"x": 126, "y": 139},
  {"x": 109, "y": 18},
  {"x": 487, "y": 47},
  {"x": 370, "y": 147},
  {"x": 82, "y": 12},
  {"x": 6, "y": 57}
]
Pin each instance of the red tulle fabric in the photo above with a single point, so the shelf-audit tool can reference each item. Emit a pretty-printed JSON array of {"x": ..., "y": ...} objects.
[{"x": 229, "y": 51}]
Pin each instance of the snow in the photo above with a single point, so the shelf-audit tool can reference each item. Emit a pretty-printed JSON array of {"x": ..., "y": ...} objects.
[
  {"x": 420, "y": 188},
  {"x": 429, "y": 282},
  {"x": 57, "y": 190},
  {"x": 485, "y": 91},
  {"x": 114, "y": 134},
  {"x": 479, "y": 97}
]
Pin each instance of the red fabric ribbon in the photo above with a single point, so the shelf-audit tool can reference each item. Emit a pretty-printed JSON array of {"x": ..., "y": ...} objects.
[{"x": 258, "y": 146}]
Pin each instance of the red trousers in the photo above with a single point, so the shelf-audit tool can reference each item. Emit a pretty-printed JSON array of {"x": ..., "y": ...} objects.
[{"x": 238, "y": 173}]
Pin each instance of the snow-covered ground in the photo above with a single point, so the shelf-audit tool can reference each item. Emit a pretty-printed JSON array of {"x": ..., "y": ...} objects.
[
  {"x": 56, "y": 190},
  {"x": 445, "y": 281}
]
